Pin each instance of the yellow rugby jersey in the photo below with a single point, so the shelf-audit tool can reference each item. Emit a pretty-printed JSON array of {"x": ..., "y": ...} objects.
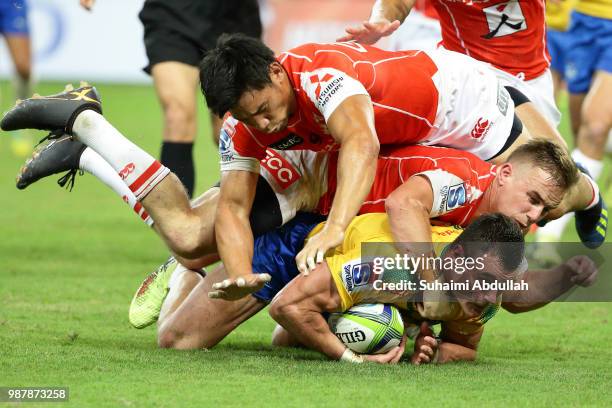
[
  {"x": 558, "y": 15},
  {"x": 354, "y": 279},
  {"x": 595, "y": 8}
]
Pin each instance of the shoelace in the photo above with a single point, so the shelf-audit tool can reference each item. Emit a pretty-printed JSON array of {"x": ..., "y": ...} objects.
[
  {"x": 67, "y": 180},
  {"x": 54, "y": 134}
]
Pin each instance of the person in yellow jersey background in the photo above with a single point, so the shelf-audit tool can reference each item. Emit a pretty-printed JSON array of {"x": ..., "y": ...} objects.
[
  {"x": 557, "y": 23},
  {"x": 587, "y": 70}
]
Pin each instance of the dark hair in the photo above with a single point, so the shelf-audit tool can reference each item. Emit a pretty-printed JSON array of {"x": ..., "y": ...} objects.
[
  {"x": 239, "y": 63},
  {"x": 498, "y": 235},
  {"x": 550, "y": 157}
]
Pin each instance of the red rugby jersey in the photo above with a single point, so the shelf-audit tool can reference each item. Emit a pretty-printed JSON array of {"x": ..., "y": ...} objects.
[
  {"x": 509, "y": 34},
  {"x": 400, "y": 85},
  {"x": 458, "y": 180}
]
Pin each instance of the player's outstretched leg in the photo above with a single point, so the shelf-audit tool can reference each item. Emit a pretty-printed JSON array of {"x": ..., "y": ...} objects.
[
  {"x": 187, "y": 233},
  {"x": 66, "y": 154},
  {"x": 177, "y": 298}
]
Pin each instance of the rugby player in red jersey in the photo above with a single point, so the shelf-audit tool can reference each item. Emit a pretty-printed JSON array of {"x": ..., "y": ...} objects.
[
  {"x": 321, "y": 97},
  {"x": 509, "y": 34}
]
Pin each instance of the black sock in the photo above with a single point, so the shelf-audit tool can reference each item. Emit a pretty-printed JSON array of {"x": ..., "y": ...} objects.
[{"x": 179, "y": 159}]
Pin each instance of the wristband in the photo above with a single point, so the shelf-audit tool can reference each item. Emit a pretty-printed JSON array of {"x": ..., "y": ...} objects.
[{"x": 350, "y": 357}]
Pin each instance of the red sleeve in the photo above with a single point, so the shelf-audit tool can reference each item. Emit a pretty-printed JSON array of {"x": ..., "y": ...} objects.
[{"x": 327, "y": 74}]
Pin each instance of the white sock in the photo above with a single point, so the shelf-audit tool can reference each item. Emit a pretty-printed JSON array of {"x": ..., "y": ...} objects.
[
  {"x": 138, "y": 169},
  {"x": 94, "y": 164},
  {"x": 23, "y": 87},
  {"x": 593, "y": 166}
]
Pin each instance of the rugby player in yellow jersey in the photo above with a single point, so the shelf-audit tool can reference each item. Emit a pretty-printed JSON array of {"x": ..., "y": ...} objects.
[
  {"x": 345, "y": 279},
  {"x": 274, "y": 254}
]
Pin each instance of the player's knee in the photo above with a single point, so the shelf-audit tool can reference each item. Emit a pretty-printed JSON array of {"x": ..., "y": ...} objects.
[
  {"x": 186, "y": 245},
  {"x": 169, "y": 339},
  {"x": 23, "y": 70},
  {"x": 181, "y": 340},
  {"x": 596, "y": 131},
  {"x": 180, "y": 120}
]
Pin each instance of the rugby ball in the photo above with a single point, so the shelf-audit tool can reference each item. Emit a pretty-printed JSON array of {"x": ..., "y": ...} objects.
[{"x": 368, "y": 328}]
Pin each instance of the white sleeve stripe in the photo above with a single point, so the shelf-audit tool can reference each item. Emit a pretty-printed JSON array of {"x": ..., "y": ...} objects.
[
  {"x": 431, "y": 125},
  {"x": 457, "y": 30},
  {"x": 241, "y": 163},
  {"x": 543, "y": 3},
  {"x": 287, "y": 54},
  {"x": 396, "y": 58},
  {"x": 380, "y": 200}
]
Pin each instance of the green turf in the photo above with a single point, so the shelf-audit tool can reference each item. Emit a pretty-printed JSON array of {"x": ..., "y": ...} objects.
[{"x": 69, "y": 263}]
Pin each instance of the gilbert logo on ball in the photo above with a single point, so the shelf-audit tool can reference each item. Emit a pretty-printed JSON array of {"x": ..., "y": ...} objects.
[{"x": 368, "y": 328}]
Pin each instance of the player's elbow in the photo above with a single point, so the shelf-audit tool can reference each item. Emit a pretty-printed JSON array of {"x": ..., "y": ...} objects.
[
  {"x": 370, "y": 146},
  {"x": 397, "y": 204}
]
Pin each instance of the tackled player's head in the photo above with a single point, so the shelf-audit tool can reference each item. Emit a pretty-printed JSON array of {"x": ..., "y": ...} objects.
[
  {"x": 533, "y": 181},
  {"x": 242, "y": 76},
  {"x": 496, "y": 246}
]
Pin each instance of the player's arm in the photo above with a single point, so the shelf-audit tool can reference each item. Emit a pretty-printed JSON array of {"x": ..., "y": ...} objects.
[
  {"x": 457, "y": 346},
  {"x": 452, "y": 346},
  {"x": 409, "y": 208},
  {"x": 386, "y": 17},
  {"x": 234, "y": 236},
  {"x": 544, "y": 286},
  {"x": 299, "y": 306},
  {"x": 298, "y": 309},
  {"x": 351, "y": 125}
]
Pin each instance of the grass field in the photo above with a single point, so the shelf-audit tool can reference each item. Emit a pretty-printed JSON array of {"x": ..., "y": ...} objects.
[{"x": 70, "y": 262}]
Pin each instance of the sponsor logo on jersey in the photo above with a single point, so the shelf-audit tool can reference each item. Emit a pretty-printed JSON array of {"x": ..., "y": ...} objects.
[
  {"x": 280, "y": 169},
  {"x": 444, "y": 185},
  {"x": 503, "y": 98},
  {"x": 480, "y": 129},
  {"x": 504, "y": 19},
  {"x": 323, "y": 84},
  {"x": 226, "y": 145},
  {"x": 355, "y": 274},
  {"x": 288, "y": 142},
  {"x": 457, "y": 196},
  {"x": 319, "y": 79},
  {"x": 127, "y": 170}
]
